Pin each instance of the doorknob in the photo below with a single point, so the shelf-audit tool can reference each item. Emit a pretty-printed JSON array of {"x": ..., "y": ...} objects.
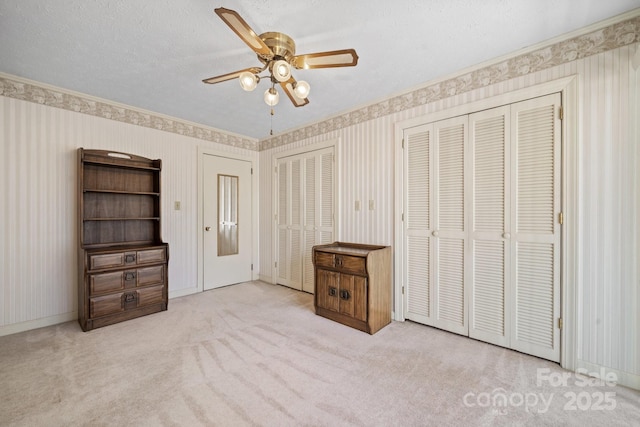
[{"x": 207, "y": 229}]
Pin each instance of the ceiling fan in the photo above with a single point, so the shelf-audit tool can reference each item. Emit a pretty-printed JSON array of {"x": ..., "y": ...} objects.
[{"x": 277, "y": 52}]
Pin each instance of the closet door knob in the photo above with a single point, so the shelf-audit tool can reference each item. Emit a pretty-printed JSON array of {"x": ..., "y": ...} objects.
[
  {"x": 207, "y": 228},
  {"x": 435, "y": 234},
  {"x": 506, "y": 235}
]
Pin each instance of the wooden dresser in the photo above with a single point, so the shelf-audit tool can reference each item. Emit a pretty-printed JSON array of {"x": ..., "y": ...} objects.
[
  {"x": 122, "y": 261},
  {"x": 353, "y": 284}
]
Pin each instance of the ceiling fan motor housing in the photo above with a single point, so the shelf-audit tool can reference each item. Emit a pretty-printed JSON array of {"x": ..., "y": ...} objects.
[{"x": 282, "y": 46}]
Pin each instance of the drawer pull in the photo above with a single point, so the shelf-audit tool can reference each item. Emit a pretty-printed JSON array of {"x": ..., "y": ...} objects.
[
  {"x": 129, "y": 276},
  {"x": 129, "y": 297},
  {"x": 333, "y": 291},
  {"x": 129, "y": 258},
  {"x": 345, "y": 295}
]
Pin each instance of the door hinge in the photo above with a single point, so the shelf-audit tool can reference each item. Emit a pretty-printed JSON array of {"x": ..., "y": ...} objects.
[
  {"x": 559, "y": 322},
  {"x": 251, "y": 267},
  {"x": 403, "y": 290},
  {"x": 276, "y": 264},
  {"x": 561, "y": 113},
  {"x": 561, "y": 218},
  {"x": 251, "y": 171},
  {"x": 403, "y": 143},
  {"x": 275, "y": 169},
  {"x": 402, "y": 219}
]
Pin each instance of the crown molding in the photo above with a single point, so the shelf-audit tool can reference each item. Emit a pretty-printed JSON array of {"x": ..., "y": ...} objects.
[{"x": 610, "y": 34}]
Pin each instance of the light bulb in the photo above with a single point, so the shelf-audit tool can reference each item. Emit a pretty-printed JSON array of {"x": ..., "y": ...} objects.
[
  {"x": 302, "y": 89},
  {"x": 248, "y": 81},
  {"x": 281, "y": 70},
  {"x": 271, "y": 97}
]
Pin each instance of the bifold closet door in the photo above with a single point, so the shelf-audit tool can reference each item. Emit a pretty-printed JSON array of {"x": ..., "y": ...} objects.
[
  {"x": 418, "y": 214},
  {"x": 434, "y": 270},
  {"x": 535, "y": 229},
  {"x": 448, "y": 235},
  {"x": 515, "y": 235},
  {"x": 489, "y": 305},
  {"x": 305, "y": 204},
  {"x": 289, "y": 219}
]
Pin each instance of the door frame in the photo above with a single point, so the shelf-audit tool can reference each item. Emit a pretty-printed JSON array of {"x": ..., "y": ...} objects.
[
  {"x": 255, "y": 242},
  {"x": 568, "y": 89}
]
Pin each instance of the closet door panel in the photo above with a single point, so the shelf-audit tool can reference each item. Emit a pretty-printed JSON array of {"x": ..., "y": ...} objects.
[
  {"x": 535, "y": 240},
  {"x": 449, "y": 231},
  {"x": 418, "y": 271},
  {"x": 490, "y": 254}
]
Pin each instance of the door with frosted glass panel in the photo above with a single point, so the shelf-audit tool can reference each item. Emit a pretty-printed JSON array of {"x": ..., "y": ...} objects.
[{"x": 227, "y": 221}]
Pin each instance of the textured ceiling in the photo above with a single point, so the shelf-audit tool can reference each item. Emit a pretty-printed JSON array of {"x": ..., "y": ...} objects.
[{"x": 153, "y": 54}]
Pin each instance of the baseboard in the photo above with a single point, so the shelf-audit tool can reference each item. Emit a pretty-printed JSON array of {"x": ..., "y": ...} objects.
[
  {"x": 626, "y": 379},
  {"x": 266, "y": 279},
  {"x": 183, "y": 292},
  {"x": 15, "y": 328}
]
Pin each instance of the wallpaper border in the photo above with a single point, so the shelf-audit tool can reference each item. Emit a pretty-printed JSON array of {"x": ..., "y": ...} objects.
[
  {"x": 601, "y": 40},
  {"x": 59, "y": 98},
  {"x": 597, "y": 41}
]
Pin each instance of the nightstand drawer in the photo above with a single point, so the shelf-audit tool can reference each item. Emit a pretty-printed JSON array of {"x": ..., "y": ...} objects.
[
  {"x": 324, "y": 259},
  {"x": 352, "y": 264}
]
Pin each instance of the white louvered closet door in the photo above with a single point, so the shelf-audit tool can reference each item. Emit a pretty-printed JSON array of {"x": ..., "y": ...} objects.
[
  {"x": 448, "y": 235},
  {"x": 535, "y": 231},
  {"x": 305, "y": 195},
  {"x": 489, "y": 305},
  {"x": 318, "y": 208},
  {"x": 417, "y": 271},
  {"x": 289, "y": 266}
]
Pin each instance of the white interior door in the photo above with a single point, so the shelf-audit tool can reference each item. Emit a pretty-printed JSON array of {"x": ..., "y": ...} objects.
[{"x": 227, "y": 219}]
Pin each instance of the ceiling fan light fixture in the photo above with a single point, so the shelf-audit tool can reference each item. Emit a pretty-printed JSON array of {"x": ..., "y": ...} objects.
[
  {"x": 248, "y": 81},
  {"x": 281, "y": 70},
  {"x": 301, "y": 89},
  {"x": 271, "y": 97}
]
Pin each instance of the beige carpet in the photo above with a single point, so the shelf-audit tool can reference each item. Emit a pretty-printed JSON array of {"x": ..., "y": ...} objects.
[{"x": 256, "y": 354}]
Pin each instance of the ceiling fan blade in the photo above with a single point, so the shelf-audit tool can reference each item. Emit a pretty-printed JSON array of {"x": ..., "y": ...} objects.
[
  {"x": 334, "y": 58},
  {"x": 244, "y": 31},
  {"x": 288, "y": 89},
  {"x": 229, "y": 76}
]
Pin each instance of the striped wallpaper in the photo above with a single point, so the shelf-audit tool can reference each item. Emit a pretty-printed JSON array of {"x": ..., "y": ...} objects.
[{"x": 38, "y": 178}]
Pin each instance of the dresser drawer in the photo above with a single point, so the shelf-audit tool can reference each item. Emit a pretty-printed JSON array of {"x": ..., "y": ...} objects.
[
  {"x": 112, "y": 260},
  {"x": 108, "y": 304},
  {"x": 106, "y": 282},
  {"x": 149, "y": 256},
  {"x": 150, "y": 275},
  {"x": 150, "y": 295}
]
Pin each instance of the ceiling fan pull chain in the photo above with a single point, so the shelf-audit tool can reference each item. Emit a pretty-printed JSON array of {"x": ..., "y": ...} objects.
[{"x": 271, "y": 131}]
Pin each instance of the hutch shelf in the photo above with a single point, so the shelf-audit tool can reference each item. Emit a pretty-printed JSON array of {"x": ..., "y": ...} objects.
[{"x": 122, "y": 261}]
